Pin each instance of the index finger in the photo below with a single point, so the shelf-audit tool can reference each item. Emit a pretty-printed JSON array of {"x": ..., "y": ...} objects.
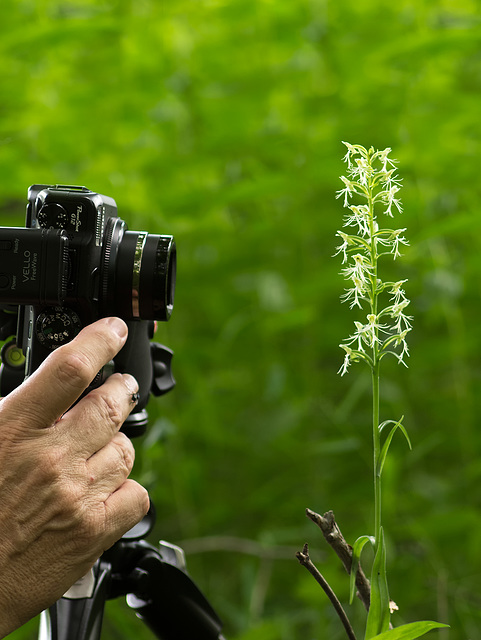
[{"x": 62, "y": 378}]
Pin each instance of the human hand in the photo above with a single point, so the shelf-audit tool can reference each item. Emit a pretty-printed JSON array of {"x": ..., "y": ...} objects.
[{"x": 64, "y": 487}]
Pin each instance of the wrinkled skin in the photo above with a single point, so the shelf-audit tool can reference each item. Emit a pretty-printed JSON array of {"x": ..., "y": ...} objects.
[{"x": 65, "y": 492}]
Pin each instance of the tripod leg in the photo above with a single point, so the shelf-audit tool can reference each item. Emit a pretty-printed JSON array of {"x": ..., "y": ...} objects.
[{"x": 78, "y": 618}]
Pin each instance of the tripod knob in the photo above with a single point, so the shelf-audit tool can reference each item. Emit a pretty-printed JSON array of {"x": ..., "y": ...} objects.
[
  {"x": 12, "y": 370},
  {"x": 163, "y": 380}
]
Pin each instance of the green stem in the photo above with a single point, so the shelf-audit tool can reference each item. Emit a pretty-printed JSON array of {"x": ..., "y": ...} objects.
[
  {"x": 375, "y": 373},
  {"x": 376, "y": 438}
]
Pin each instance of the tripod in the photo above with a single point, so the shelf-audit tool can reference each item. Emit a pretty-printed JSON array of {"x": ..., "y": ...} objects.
[{"x": 156, "y": 585}]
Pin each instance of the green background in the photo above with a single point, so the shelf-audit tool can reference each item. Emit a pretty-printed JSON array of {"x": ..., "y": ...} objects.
[{"x": 220, "y": 121}]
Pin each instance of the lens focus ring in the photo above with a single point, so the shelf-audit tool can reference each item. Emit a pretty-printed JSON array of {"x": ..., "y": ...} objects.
[
  {"x": 138, "y": 273},
  {"x": 136, "y": 267}
]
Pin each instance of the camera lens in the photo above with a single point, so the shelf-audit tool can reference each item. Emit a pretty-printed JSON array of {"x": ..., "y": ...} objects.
[
  {"x": 33, "y": 265},
  {"x": 138, "y": 273}
]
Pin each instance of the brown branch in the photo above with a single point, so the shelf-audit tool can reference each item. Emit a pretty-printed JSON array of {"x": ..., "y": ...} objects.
[
  {"x": 303, "y": 557},
  {"x": 334, "y": 537}
]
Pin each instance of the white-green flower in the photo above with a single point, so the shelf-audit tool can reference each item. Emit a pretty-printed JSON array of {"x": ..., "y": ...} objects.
[
  {"x": 371, "y": 183},
  {"x": 398, "y": 292},
  {"x": 347, "y": 242},
  {"x": 391, "y": 239},
  {"x": 347, "y": 359},
  {"x": 358, "y": 218},
  {"x": 347, "y": 191},
  {"x": 361, "y": 268}
]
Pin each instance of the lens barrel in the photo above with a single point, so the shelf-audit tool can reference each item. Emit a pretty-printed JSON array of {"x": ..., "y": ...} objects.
[
  {"x": 138, "y": 273},
  {"x": 33, "y": 265}
]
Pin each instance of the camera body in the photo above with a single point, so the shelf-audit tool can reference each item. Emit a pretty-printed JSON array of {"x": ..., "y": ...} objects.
[{"x": 73, "y": 263}]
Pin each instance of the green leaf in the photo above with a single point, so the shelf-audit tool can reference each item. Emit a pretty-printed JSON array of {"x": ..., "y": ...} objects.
[
  {"x": 409, "y": 631},
  {"x": 356, "y": 557},
  {"x": 379, "y": 614},
  {"x": 387, "y": 443}
]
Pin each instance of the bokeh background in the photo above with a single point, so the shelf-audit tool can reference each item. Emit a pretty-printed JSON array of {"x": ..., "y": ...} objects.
[{"x": 221, "y": 121}]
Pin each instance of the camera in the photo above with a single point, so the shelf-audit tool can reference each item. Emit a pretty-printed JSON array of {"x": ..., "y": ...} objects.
[{"x": 75, "y": 261}]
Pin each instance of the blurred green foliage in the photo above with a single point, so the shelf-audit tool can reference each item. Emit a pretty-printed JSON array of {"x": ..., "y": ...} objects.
[{"x": 221, "y": 121}]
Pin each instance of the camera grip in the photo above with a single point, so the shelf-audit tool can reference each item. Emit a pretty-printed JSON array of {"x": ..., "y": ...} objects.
[{"x": 135, "y": 358}]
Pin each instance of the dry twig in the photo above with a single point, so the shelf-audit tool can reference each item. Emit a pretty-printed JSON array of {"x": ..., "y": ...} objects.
[
  {"x": 303, "y": 557},
  {"x": 334, "y": 537}
]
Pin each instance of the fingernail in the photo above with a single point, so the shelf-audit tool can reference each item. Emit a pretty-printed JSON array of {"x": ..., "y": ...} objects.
[{"x": 118, "y": 326}]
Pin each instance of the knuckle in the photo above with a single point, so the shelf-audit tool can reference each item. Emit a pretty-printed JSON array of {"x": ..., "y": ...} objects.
[
  {"x": 74, "y": 368},
  {"x": 142, "y": 504},
  {"x": 110, "y": 409},
  {"x": 125, "y": 451},
  {"x": 144, "y": 501}
]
